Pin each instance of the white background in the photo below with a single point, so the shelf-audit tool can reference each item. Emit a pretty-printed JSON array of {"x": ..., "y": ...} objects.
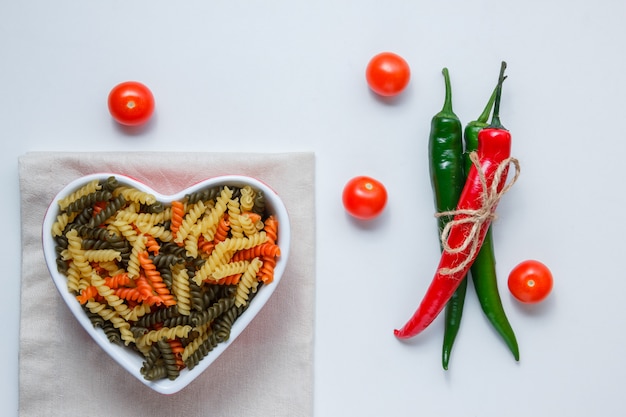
[{"x": 274, "y": 76}]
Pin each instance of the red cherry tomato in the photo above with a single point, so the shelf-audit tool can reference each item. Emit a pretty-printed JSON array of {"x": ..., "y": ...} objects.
[
  {"x": 364, "y": 197},
  {"x": 530, "y": 281},
  {"x": 131, "y": 103},
  {"x": 387, "y": 74}
]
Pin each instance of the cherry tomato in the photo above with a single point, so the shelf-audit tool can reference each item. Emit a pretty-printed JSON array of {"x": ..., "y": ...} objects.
[
  {"x": 364, "y": 197},
  {"x": 387, "y": 74},
  {"x": 131, "y": 103},
  {"x": 530, "y": 281}
]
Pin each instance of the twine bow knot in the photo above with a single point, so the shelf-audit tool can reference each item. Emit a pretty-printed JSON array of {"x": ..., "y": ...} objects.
[{"x": 485, "y": 214}]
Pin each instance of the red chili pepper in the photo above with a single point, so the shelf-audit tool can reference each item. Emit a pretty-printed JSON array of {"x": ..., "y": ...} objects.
[{"x": 464, "y": 235}]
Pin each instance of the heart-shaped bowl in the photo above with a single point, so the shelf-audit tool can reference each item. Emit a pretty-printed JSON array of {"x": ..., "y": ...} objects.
[{"x": 136, "y": 359}]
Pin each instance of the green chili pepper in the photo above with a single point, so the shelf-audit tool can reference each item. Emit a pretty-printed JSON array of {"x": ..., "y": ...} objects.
[
  {"x": 445, "y": 147},
  {"x": 447, "y": 178},
  {"x": 483, "y": 271},
  {"x": 453, "y": 315}
]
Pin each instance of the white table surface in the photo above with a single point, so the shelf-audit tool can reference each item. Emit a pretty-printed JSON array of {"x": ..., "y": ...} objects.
[{"x": 289, "y": 76}]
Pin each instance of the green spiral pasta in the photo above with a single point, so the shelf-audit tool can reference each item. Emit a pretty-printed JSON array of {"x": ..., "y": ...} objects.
[
  {"x": 206, "y": 194},
  {"x": 151, "y": 370},
  {"x": 112, "y": 207},
  {"x": 196, "y": 295},
  {"x": 217, "y": 309},
  {"x": 209, "y": 342},
  {"x": 109, "y": 184},
  {"x": 112, "y": 333},
  {"x": 178, "y": 321},
  {"x": 156, "y": 207},
  {"x": 88, "y": 201},
  {"x": 224, "y": 323},
  {"x": 169, "y": 360},
  {"x": 158, "y": 316},
  {"x": 88, "y": 188}
]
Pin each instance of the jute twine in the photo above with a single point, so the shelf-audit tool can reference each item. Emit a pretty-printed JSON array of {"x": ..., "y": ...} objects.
[{"x": 477, "y": 217}]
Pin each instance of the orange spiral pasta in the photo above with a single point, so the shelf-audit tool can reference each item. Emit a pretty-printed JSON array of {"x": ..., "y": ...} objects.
[
  {"x": 229, "y": 280},
  {"x": 117, "y": 281},
  {"x": 177, "y": 349},
  {"x": 271, "y": 229},
  {"x": 152, "y": 245},
  {"x": 154, "y": 278},
  {"x": 178, "y": 213},
  {"x": 223, "y": 228},
  {"x": 266, "y": 272},
  {"x": 205, "y": 246},
  {"x": 267, "y": 249},
  {"x": 87, "y": 293}
]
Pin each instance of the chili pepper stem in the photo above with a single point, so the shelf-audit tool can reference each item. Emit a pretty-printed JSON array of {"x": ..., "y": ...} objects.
[
  {"x": 484, "y": 116},
  {"x": 495, "y": 121},
  {"x": 447, "y": 103}
]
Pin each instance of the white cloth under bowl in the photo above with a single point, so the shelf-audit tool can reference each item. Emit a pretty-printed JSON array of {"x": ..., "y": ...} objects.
[{"x": 268, "y": 371}]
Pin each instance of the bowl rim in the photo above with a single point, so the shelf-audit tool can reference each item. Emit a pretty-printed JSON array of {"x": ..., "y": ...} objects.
[{"x": 124, "y": 356}]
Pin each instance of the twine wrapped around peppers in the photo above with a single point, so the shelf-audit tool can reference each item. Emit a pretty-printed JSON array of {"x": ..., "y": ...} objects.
[{"x": 477, "y": 217}]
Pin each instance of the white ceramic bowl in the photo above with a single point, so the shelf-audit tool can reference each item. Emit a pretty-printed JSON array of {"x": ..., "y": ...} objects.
[{"x": 125, "y": 356}]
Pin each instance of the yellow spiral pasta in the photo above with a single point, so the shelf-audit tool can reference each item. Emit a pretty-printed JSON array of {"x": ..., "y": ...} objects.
[
  {"x": 191, "y": 241},
  {"x": 166, "y": 332},
  {"x": 119, "y": 323},
  {"x": 102, "y": 255},
  {"x": 62, "y": 220},
  {"x": 154, "y": 218},
  {"x": 230, "y": 268},
  {"x": 125, "y": 229},
  {"x": 109, "y": 295},
  {"x": 248, "y": 226},
  {"x": 210, "y": 220},
  {"x": 158, "y": 232},
  {"x": 195, "y": 344},
  {"x": 234, "y": 210},
  {"x": 133, "y": 194},
  {"x": 180, "y": 289},
  {"x": 248, "y": 283},
  {"x": 223, "y": 252},
  {"x": 247, "y": 198},
  {"x": 139, "y": 245},
  {"x": 79, "y": 261},
  {"x": 193, "y": 214}
]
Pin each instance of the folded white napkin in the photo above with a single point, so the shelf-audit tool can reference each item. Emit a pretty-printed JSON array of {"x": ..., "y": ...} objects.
[{"x": 267, "y": 371}]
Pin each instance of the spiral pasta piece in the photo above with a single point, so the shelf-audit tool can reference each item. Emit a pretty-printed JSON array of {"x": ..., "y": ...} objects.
[
  {"x": 86, "y": 189},
  {"x": 180, "y": 289},
  {"x": 211, "y": 221},
  {"x": 223, "y": 252},
  {"x": 234, "y": 211},
  {"x": 154, "y": 278},
  {"x": 133, "y": 194},
  {"x": 230, "y": 268},
  {"x": 107, "y": 314},
  {"x": 166, "y": 332},
  {"x": 61, "y": 222},
  {"x": 133, "y": 269},
  {"x": 102, "y": 255},
  {"x": 247, "y": 198},
  {"x": 80, "y": 265},
  {"x": 248, "y": 283},
  {"x": 192, "y": 216}
]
